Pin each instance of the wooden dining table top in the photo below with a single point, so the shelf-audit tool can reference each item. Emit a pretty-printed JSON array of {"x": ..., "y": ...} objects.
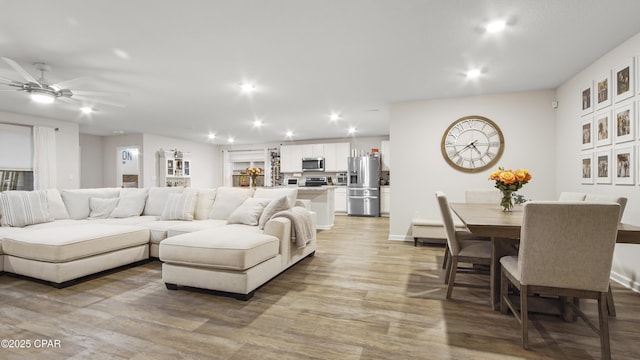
[{"x": 490, "y": 220}]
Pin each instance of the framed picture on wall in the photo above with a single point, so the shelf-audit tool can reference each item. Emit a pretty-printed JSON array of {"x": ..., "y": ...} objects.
[
  {"x": 623, "y": 122},
  {"x": 587, "y": 168},
  {"x": 623, "y": 162},
  {"x": 603, "y": 171},
  {"x": 587, "y": 99},
  {"x": 587, "y": 133},
  {"x": 623, "y": 81},
  {"x": 603, "y": 91},
  {"x": 602, "y": 128}
]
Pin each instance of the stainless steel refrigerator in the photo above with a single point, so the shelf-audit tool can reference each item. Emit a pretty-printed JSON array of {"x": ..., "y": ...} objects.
[{"x": 363, "y": 187}]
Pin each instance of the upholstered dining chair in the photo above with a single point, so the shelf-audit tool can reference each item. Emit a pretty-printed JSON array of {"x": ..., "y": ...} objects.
[
  {"x": 462, "y": 246},
  {"x": 566, "y": 250}
]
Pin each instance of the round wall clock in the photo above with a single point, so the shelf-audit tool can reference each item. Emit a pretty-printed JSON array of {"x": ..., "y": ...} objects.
[{"x": 472, "y": 144}]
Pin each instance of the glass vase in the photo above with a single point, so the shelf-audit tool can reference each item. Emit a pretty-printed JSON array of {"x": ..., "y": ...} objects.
[
  {"x": 253, "y": 181},
  {"x": 507, "y": 200}
]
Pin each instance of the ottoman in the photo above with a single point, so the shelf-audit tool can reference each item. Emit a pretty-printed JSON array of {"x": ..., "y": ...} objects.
[
  {"x": 231, "y": 260},
  {"x": 60, "y": 254}
]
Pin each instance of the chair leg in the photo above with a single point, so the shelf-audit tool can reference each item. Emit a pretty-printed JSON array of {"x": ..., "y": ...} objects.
[
  {"x": 524, "y": 315},
  {"x": 445, "y": 260},
  {"x": 504, "y": 291},
  {"x": 611, "y": 306},
  {"x": 604, "y": 326},
  {"x": 453, "y": 265}
]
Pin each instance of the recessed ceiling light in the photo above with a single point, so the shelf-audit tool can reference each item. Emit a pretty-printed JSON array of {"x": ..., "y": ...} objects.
[
  {"x": 86, "y": 110},
  {"x": 258, "y": 123},
  {"x": 334, "y": 117},
  {"x": 247, "y": 88},
  {"x": 212, "y": 136},
  {"x": 289, "y": 133},
  {"x": 352, "y": 130},
  {"x": 473, "y": 73},
  {"x": 496, "y": 26},
  {"x": 231, "y": 140},
  {"x": 118, "y": 132}
]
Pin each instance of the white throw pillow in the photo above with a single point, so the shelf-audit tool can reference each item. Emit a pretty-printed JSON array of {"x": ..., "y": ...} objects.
[
  {"x": 57, "y": 209},
  {"x": 204, "y": 203},
  {"x": 157, "y": 199},
  {"x": 249, "y": 212},
  {"x": 267, "y": 193},
  {"x": 227, "y": 200},
  {"x": 180, "y": 206},
  {"x": 21, "y": 208},
  {"x": 275, "y": 205},
  {"x": 101, "y": 208},
  {"x": 131, "y": 203}
]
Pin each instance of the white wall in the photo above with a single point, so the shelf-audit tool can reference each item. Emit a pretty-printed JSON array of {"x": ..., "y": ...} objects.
[
  {"x": 91, "y": 169},
  {"x": 626, "y": 268},
  {"x": 206, "y": 160},
  {"x": 527, "y": 121},
  {"x": 67, "y": 146}
]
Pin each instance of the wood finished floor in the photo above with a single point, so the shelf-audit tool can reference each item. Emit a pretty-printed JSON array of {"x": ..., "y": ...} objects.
[{"x": 360, "y": 297}]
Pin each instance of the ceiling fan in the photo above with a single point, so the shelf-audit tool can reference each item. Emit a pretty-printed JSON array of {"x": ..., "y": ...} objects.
[{"x": 42, "y": 91}]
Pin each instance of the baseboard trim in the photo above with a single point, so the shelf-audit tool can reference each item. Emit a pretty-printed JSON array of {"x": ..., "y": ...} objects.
[
  {"x": 400, "y": 238},
  {"x": 625, "y": 281}
]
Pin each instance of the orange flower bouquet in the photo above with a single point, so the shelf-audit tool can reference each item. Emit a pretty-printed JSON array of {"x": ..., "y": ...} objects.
[
  {"x": 509, "y": 181},
  {"x": 254, "y": 172}
]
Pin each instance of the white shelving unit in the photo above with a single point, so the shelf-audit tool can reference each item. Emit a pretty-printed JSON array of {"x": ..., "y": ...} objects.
[{"x": 175, "y": 168}]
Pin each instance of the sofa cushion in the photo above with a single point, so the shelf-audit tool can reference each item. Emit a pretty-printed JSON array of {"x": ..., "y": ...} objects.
[
  {"x": 204, "y": 203},
  {"x": 157, "y": 199},
  {"x": 266, "y": 193},
  {"x": 180, "y": 206},
  {"x": 61, "y": 245},
  {"x": 191, "y": 226},
  {"x": 100, "y": 208},
  {"x": 77, "y": 200},
  {"x": 57, "y": 209},
  {"x": 21, "y": 208},
  {"x": 249, "y": 212},
  {"x": 274, "y": 206},
  {"x": 231, "y": 248},
  {"x": 227, "y": 200},
  {"x": 131, "y": 203}
]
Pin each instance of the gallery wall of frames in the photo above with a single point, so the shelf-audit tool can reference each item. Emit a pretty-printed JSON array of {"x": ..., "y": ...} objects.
[{"x": 611, "y": 126}]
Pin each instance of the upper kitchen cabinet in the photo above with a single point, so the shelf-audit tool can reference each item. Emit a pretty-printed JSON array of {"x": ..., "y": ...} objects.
[
  {"x": 335, "y": 156},
  {"x": 312, "y": 150},
  {"x": 290, "y": 158},
  {"x": 386, "y": 155}
]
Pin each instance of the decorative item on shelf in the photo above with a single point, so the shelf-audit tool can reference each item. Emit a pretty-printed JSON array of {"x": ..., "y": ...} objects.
[
  {"x": 509, "y": 181},
  {"x": 253, "y": 172}
]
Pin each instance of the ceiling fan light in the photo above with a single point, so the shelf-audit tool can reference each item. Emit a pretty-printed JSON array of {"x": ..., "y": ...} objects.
[{"x": 43, "y": 98}]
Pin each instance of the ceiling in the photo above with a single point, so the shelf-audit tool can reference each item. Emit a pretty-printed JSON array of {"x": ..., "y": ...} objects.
[{"x": 178, "y": 65}]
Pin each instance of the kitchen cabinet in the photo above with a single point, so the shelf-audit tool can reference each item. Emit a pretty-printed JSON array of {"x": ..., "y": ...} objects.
[
  {"x": 385, "y": 200},
  {"x": 335, "y": 156},
  {"x": 385, "y": 150},
  {"x": 312, "y": 150},
  {"x": 290, "y": 158},
  {"x": 341, "y": 200}
]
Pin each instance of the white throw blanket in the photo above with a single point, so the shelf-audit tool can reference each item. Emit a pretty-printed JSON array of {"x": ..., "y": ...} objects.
[{"x": 301, "y": 224}]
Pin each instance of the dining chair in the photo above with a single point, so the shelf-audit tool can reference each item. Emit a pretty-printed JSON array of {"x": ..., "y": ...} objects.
[
  {"x": 462, "y": 246},
  {"x": 566, "y": 250},
  {"x": 482, "y": 196},
  {"x": 603, "y": 198}
]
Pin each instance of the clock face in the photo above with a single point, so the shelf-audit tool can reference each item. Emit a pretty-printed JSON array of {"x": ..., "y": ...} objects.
[{"x": 472, "y": 144}]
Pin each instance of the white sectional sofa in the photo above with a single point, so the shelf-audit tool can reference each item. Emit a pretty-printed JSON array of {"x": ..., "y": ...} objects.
[{"x": 230, "y": 240}]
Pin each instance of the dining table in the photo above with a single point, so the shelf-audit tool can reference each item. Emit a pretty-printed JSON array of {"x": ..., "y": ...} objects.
[{"x": 503, "y": 227}]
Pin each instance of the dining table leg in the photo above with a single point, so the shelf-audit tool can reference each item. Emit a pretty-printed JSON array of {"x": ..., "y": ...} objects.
[{"x": 499, "y": 247}]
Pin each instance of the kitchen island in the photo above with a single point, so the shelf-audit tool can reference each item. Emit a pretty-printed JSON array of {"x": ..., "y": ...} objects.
[{"x": 322, "y": 203}]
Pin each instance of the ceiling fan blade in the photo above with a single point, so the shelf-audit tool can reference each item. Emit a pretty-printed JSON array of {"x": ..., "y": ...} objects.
[
  {"x": 100, "y": 101},
  {"x": 70, "y": 83},
  {"x": 98, "y": 93},
  {"x": 6, "y": 80},
  {"x": 66, "y": 100},
  {"x": 20, "y": 70}
]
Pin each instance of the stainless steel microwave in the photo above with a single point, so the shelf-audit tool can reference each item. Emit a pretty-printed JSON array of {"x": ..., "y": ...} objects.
[{"x": 313, "y": 164}]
